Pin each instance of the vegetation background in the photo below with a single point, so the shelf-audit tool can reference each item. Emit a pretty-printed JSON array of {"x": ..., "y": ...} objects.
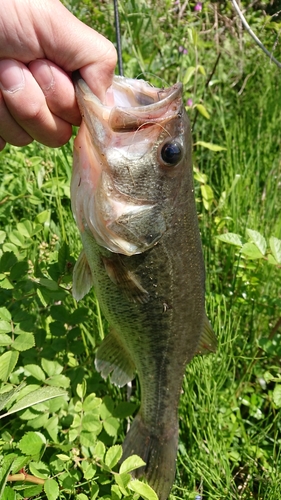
[{"x": 67, "y": 445}]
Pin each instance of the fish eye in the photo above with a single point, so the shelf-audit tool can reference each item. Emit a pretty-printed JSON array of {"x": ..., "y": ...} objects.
[{"x": 171, "y": 153}]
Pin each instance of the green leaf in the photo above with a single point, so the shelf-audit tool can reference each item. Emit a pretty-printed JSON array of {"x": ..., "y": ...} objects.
[
  {"x": 8, "y": 494},
  {"x": 7, "y": 396},
  {"x": 277, "y": 395},
  {"x": 35, "y": 371},
  {"x": 131, "y": 463},
  {"x": 32, "y": 443},
  {"x": 19, "y": 271},
  {"x": 5, "y": 339},
  {"x": 59, "y": 381},
  {"x": 231, "y": 238},
  {"x": 64, "y": 458},
  {"x": 207, "y": 195},
  {"x": 99, "y": 451},
  {"x": 202, "y": 110},
  {"x": 91, "y": 423},
  {"x": 16, "y": 238},
  {"x": 52, "y": 427},
  {"x": 8, "y": 260},
  {"x": 201, "y": 70},
  {"x": 63, "y": 256},
  {"x": 5, "y": 326},
  {"x": 32, "y": 490},
  {"x": 251, "y": 251},
  {"x": 51, "y": 489},
  {"x": 8, "y": 361},
  {"x": 2, "y": 236},
  {"x": 43, "y": 217},
  {"x": 81, "y": 389},
  {"x": 90, "y": 471},
  {"x": 200, "y": 177},
  {"x": 5, "y": 283},
  {"x": 39, "y": 469},
  {"x": 78, "y": 316},
  {"x": 142, "y": 489},
  {"x": 91, "y": 402},
  {"x": 82, "y": 496},
  {"x": 275, "y": 245},
  {"x": 209, "y": 145},
  {"x": 234, "y": 456},
  {"x": 87, "y": 438},
  {"x": 25, "y": 228},
  {"x": 271, "y": 260},
  {"x": 51, "y": 367},
  {"x": 24, "y": 341},
  {"x": 113, "y": 456},
  {"x": 257, "y": 239},
  {"x": 5, "y": 466},
  {"x": 49, "y": 284},
  {"x": 35, "y": 397},
  {"x": 19, "y": 462},
  {"x": 111, "y": 426},
  {"x": 188, "y": 74},
  {"x": 116, "y": 494},
  {"x": 5, "y": 314},
  {"x": 123, "y": 480}
]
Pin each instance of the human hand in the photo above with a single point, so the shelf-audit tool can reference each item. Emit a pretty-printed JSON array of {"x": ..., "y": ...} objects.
[{"x": 41, "y": 43}]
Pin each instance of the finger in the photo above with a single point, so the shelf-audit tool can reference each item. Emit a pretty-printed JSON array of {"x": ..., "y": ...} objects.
[
  {"x": 10, "y": 131},
  {"x": 58, "y": 90},
  {"x": 2, "y": 144},
  {"x": 26, "y": 103},
  {"x": 80, "y": 47}
]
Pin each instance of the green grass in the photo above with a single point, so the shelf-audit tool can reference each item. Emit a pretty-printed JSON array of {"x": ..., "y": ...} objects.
[{"x": 230, "y": 423}]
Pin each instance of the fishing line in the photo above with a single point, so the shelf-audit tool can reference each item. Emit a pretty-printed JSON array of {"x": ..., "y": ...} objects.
[
  {"x": 147, "y": 73},
  {"x": 250, "y": 31},
  {"x": 118, "y": 38}
]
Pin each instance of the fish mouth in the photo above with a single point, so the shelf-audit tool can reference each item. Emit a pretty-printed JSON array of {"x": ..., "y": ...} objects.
[{"x": 129, "y": 104}]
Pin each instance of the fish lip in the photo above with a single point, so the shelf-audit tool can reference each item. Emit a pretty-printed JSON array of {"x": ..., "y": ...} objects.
[{"x": 127, "y": 118}]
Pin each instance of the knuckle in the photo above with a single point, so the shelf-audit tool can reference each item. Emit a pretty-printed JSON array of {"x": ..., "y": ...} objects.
[
  {"x": 33, "y": 113},
  {"x": 111, "y": 56}
]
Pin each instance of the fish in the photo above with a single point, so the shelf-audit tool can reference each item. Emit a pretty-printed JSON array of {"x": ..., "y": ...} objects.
[{"x": 133, "y": 200}]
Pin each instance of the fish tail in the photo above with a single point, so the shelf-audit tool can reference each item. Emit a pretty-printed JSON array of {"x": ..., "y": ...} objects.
[{"x": 159, "y": 452}]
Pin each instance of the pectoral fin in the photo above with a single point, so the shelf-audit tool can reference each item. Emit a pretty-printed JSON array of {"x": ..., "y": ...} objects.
[
  {"x": 125, "y": 279},
  {"x": 208, "y": 341},
  {"x": 82, "y": 277},
  {"x": 112, "y": 358}
]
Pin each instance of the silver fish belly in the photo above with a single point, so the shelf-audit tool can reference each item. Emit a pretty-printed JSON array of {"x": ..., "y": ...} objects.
[{"x": 133, "y": 201}]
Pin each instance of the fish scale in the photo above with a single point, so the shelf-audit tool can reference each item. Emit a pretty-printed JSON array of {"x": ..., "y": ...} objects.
[{"x": 151, "y": 290}]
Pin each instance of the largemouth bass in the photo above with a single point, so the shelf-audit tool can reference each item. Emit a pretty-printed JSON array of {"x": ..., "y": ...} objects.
[{"x": 133, "y": 201}]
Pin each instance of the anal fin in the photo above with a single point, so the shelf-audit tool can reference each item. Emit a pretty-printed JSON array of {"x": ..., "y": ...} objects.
[
  {"x": 112, "y": 358},
  {"x": 82, "y": 277},
  {"x": 208, "y": 341}
]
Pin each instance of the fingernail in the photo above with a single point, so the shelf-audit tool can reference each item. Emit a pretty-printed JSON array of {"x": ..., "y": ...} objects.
[
  {"x": 11, "y": 76},
  {"x": 44, "y": 76}
]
